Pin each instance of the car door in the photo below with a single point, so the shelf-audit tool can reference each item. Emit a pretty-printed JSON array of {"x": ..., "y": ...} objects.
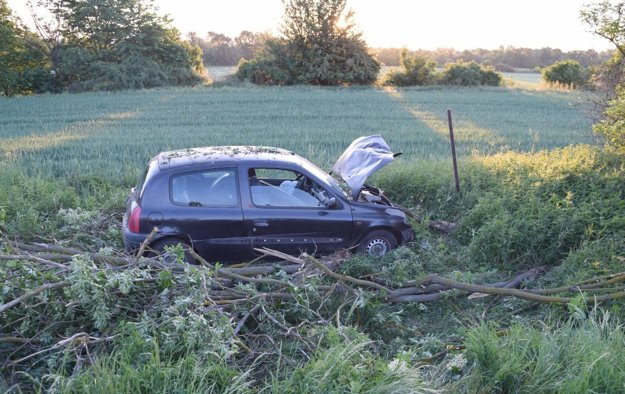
[
  {"x": 280, "y": 213},
  {"x": 207, "y": 208}
]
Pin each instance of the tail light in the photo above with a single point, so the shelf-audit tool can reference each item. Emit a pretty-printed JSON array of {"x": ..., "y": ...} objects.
[{"x": 133, "y": 220}]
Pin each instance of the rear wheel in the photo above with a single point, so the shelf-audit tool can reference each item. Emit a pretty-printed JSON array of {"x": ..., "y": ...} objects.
[
  {"x": 377, "y": 243},
  {"x": 160, "y": 249}
]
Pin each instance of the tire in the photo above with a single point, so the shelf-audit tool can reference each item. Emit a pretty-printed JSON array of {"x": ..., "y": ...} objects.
[
  {"x": 158, "y": 248},
  {"x": 377, "y": 243}
]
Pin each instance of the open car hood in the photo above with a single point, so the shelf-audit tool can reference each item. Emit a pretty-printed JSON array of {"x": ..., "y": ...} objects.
[{"x": 361, "y": 159}]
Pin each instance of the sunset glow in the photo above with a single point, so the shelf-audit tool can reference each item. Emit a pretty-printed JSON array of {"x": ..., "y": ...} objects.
[{"x": 398, "y": 23}]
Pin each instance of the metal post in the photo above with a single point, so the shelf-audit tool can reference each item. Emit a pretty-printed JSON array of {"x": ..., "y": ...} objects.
[{"x": 453, "y": 150}]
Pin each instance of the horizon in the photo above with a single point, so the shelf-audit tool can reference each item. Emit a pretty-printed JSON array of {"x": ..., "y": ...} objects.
[{"x": 483, "y": 23}]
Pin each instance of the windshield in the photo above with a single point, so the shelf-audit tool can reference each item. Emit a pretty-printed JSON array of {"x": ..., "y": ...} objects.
[{"x": 340, "y": 188}]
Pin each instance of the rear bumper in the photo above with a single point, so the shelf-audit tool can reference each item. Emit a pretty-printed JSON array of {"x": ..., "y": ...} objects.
[{"x": 132, "y": 241}]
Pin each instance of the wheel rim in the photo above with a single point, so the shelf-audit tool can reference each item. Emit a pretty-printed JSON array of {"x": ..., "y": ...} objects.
[{"x": 377, "y": 247}]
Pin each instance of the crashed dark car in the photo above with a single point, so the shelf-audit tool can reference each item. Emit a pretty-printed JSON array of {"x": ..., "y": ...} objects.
[{"x": 225, "y": 201}]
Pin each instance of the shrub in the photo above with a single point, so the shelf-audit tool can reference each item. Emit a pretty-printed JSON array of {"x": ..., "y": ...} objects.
[
  {"x": 470, "y": 74},
  {"x": 415, "y": 70},
  {"x": 545, "y": 206},
  {"x": 567, "y": 72}
]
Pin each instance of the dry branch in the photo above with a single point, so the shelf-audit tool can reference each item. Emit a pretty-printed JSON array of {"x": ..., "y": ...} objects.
[{"x": 32, "y": 293}]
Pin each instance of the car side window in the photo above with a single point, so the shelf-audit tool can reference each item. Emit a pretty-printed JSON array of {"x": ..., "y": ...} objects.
[
  {"x": 212, "y": 188},
  {"x": 285, "y": 188}
]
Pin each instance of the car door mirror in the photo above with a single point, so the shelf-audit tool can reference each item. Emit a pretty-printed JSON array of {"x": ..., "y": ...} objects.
[{"x": 332, "y": 203}]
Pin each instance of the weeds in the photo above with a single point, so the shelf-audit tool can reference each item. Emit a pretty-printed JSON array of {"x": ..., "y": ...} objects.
[{"x": 579, "y": 356}]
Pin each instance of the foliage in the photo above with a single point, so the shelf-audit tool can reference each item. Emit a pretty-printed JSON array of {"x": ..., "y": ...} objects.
[
  {"x": 221, "y": 50},
  {"x": 415, "y": 71},
  {"x": 139, "y": 366},
  {"x": 612, "y": 127},
  {"x": 547, "y": 206},
  {"x": 314, "y": 49},
  {"x": 582, "y": 355},
  {"x": 30, "y": 205},
  {"x": 148, "y": 311},
  {"x": 567, "y": 72},
  {"x": 114, "y": 45},
  {"x": 348, "y": 366},
  {"x": 22, "y": 62},
  {"x": 605, "y": 19},
  {"x": 503, "y": 59},
  {"x": 469, "y": 74}
]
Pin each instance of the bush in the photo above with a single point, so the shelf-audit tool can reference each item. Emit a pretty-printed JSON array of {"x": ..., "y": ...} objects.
[
  {"x": 470, "y": 74},
  {"x": 516, "y": 210},
  {"x": 567, "y": 72},
  {"x": 415, "y": 71}
]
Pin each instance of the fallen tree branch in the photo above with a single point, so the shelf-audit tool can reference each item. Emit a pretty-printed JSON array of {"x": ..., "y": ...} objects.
[{"x": 32, "y": 293}]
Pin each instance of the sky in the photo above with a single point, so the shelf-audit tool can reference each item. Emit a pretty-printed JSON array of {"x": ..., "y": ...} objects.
[{"x": 414, "y": 24}]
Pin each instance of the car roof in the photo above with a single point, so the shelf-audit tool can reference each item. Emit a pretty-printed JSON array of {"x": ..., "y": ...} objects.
[{"x": 215, "y": 154}]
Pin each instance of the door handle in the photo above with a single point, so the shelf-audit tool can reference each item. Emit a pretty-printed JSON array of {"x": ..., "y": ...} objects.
[
  {"x": 260, "y": 223},
  {"x": 323, "y": 213}
]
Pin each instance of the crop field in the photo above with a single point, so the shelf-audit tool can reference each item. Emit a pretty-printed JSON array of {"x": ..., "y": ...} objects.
[
  {"x": 112, "y": 135},
  {"x": 524, "y": 77}
]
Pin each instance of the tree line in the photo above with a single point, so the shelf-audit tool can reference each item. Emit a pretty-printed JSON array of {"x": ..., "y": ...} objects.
[
  {"x": 222, "y": 50},
  {"x": 502, "y": 59}
]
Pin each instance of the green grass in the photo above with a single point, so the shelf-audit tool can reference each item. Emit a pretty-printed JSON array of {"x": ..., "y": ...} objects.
[
  {"x": 583, "y": 355},
  {"x": 112, "y": 135}
]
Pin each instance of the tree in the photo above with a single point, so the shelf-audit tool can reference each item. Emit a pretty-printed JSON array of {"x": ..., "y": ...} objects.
[
  {"x": 566, "y": 72},
  {"x": 22, "y": 61},
  {"x": 607, "y": 20},
  {"x": 319, "y": 46},
  {"x": 116, "y": 44}
]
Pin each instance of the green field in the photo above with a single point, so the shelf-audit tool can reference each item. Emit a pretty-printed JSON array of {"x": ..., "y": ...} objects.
[
  {"x": 524, "y": 77},
  {"x": 113, "y": 134}
]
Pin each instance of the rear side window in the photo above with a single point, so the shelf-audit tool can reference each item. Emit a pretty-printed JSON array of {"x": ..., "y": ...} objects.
[
  {"x": 150, "y": 170},
  {"x": 211, "y": 188}
]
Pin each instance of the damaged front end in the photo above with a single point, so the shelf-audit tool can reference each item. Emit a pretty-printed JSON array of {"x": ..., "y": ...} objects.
[
  {"x": 373, "y": 195},
  {"x": 363, "y": 157}
]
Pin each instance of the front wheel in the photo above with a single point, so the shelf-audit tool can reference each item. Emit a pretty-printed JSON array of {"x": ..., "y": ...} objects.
[{"x": 377, "y": 243}]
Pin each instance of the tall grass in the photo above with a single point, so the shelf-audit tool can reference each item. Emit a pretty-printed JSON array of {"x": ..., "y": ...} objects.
[
  {"x": 347, "y": 368},
  {"x": 127, "y": 371},
  {"x": 579, "y": 356}
]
